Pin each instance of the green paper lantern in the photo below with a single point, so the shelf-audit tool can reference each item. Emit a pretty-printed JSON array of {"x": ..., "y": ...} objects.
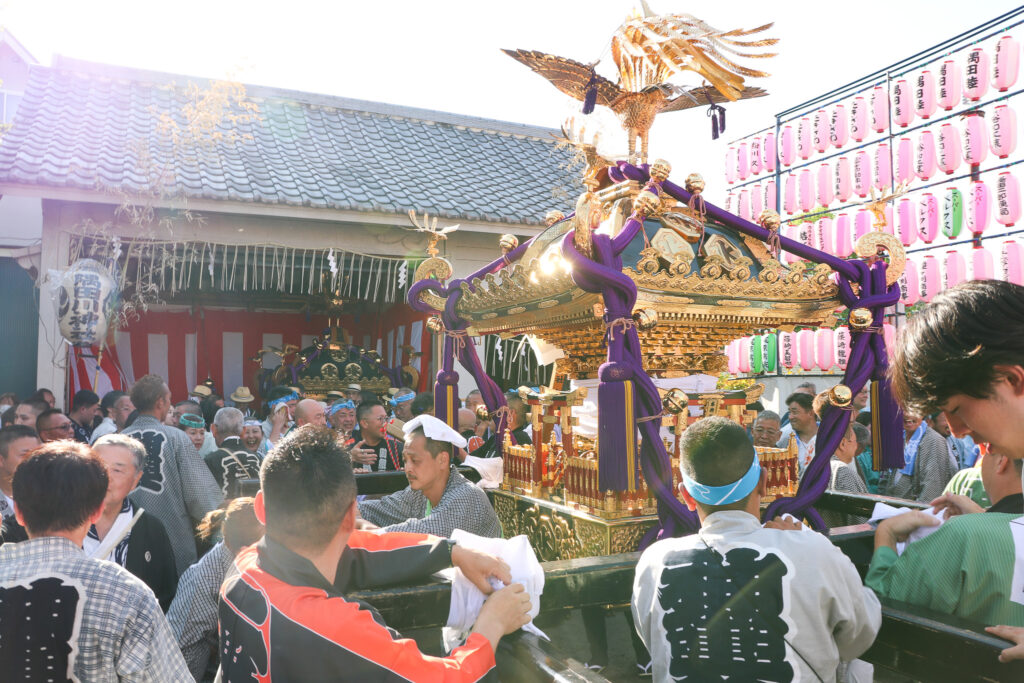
[
  {"x": 952, "y": 213},
  {"x": 755, "y": 354},
  {"x": 769, "y": 345}
]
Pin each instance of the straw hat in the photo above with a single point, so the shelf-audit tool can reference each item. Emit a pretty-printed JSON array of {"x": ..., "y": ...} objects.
[
  {"x": 202, "y": 391},
  {"x": 334, "y": 394},
  {"x": 355, "y": 387},
  {"x": 242, "y": 395}
]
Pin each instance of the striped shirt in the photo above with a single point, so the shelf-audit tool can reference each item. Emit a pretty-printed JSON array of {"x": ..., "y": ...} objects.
[
  {"x": 963, "y": 569},
  {"x": 193, "y": 614},
  {"x": 844, "y": 479}
]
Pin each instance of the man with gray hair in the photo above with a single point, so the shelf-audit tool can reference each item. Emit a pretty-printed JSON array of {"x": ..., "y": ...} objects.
[
  {"x": 231, "y": 461},
  {"x": 767, "y": 430}
]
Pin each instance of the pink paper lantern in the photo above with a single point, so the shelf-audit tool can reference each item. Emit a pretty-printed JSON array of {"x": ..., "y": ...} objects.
[
  {"x": 879, "y": 110},
  {"x": 824, "y": 240},
  {"x": 822, "y": 130},
  {"x": 1004, "y": 131},
  {"x": 744, "y": 204},
  {"x": 769, "y": 195},
  {"x": 910, "y": 287},
  {"x": 843, "y": 236},
  {"x": 803, "y": 235},
  {"x": 949, "y": 148},
  {"x": 979, "y": 203},
  {"x": 890, "y": 225},
  {"x": 803, "y": 139},
  {"x": 975, "y": 141},
  {"x": 844, "y": 180},
  {"x": 904, "y": 160},
  {"x": 756, "y": 202},
  {"x": 1007, "y": 199},
  {"x": 902, "y": 107},
  {"x": 862, "y": 174},
  {"x": 742, "y": 161},
  {"x": 862, "y": 223},
  {"x": 950, "y": 83},
  {"x": 787, "y": 146},
  {"x": 730, "y": 165},
  {"x": 955, "y": 271},
  {"x": 931, "y": 279},
  {"x": 755, "y": 156},
  {"x": 805, "y": 349},
  {"x": 859, "y": 119},
  {"x": 729, "y": 199},
  {"x": 825, "y": 189},
  {"x": 889, "y": 336},
  {"x": 907, "y": 222},
  {"x": 924, "y": 94},
  {"x": 928, "y": 217},
  {"x": 1012, "y": 262},
  {"x": 806, "y": 185},
  {"x": 824, "y": 348},
  {"x": 732, "y": 352},
  {"x": 883, "y": 167},
  {"x": 982, "y": 264},
  {"x": 842, "y": 346},
  {"x": 840, "y": 132},
  {"x": 769, "y": 152},
  {"x": 787, "y": 350},
  {"x": 789, "y": 200},
  {"x": 976, "y": 74},
  {"x": 924, "y": 167},
  {"x": 1007, "y": 63},
  {"x": 744, "y": 354}
]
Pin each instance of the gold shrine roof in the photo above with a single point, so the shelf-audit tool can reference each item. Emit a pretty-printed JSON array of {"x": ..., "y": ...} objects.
[{"x": 734, "y": 287}]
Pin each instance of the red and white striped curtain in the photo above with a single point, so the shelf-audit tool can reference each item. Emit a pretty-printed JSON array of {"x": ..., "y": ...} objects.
[{"x": 187, "y": 347}]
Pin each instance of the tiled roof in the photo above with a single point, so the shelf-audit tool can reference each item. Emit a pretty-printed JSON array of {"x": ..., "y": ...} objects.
[{"x": 80, "y": 126}]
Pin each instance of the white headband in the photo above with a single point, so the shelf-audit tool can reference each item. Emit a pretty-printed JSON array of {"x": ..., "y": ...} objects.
[{"x": 435, "y": 429}]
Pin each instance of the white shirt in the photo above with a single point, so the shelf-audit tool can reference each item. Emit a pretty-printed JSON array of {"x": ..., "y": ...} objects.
[
  {"x": 106, "y": 427},
  {"x": 805, "y": 449},
  {"x": 691, "y": 606}
]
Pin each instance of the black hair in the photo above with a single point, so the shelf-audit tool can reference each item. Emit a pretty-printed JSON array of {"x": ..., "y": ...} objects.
[
  {"x": 308, "y": 486},
  {"x": 84, "y": 398},
  {"x": 953, "y": 345},
  {"x": 423, "y": 403},
  {"x": 12, "y": 433},
  {"x": 805, "y": 401},
  {"x": 59, "y": 487},
  {"x": 109, "y": 399},
  {"x": 716, "y": 451}
]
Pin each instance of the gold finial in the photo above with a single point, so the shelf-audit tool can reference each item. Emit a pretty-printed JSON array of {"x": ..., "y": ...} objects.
[
  {"x": 770, "y": 220},
  {"x": 647, "y": 203},
  {"x": 507, "y": 243},
  {"x": 840, "y": 396},
  {"x": 695, "y": 183},
  {"x": 435, "y": 324},
  {"x": 430, "y": 228},
  {"x": 660, "y": 170},
  {"x": 860, "y": 318},
  {"x": 675, "y": 401},
  {"x": 552, "y": 217},
  {"x": 645, "y": 319}
]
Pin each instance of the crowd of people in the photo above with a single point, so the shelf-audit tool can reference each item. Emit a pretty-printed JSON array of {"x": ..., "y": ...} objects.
[{"x": 148, "y": 539}]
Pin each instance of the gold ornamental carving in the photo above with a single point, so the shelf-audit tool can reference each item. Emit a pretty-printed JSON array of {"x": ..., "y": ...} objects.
[
  {"x": 505, "y": 509},
  {"x": 868, "y": 245},
  {"x": 626, "y": 538},
  {"x": 550, "y": 535},
  {"x": 592, "y": 538}
]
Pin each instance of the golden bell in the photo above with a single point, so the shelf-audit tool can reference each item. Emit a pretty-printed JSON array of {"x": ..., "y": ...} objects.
[
  {"x": 482, "y": 413},
  {"x": 647, "y": 203},
  {"x": 435, "y": 325},
  {"x": 550, "y": 218},
  {"x": 695, "y": 183},
  {"x": 860, "y": 318},
  {"x": 508, "y": 242},
  {"x": 660, "y": 170},
  {"x": 770, "y": 220},
  {"x": 840, "y": 396},
  {"x": 675, "y": 401},
  {"x": 645, "y": 319}
]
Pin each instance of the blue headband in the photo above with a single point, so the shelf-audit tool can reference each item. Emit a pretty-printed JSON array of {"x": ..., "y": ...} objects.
[
  {"x": 284, "y": 399},
  {"x": 402, "y": 399},
  {"x": 730, "y": 493},
  {"x": 344, "y": 405}
]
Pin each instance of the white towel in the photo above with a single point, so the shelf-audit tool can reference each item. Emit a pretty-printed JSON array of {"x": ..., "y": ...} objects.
[
  {"x": 467, "y": 599},
  {"x": 491, "y": 470},
  {"x": 883, "y": 511}
]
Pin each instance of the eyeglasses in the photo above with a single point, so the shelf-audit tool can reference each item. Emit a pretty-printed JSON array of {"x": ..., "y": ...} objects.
[{"x": 66, "y": 427}]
